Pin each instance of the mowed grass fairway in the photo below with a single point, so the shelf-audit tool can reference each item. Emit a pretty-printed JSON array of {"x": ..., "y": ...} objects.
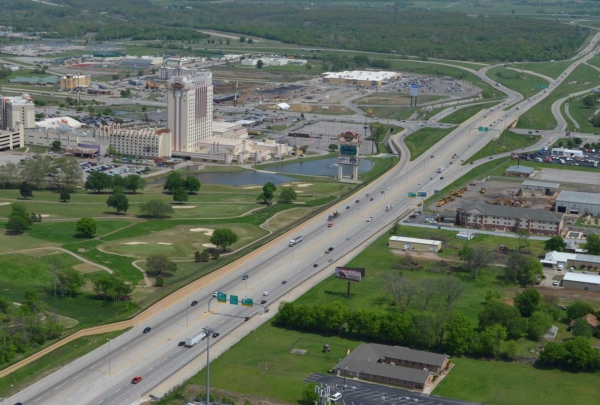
[
  {"x": 508, "y": 141},
  {"x": 503, "y": 383},
  {"x": 420, "y": 141}
]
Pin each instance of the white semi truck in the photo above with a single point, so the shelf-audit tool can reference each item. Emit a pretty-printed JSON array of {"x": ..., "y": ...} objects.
[
  {"x": 295, "y": 241},
  {"x": 194, "y": 341}
]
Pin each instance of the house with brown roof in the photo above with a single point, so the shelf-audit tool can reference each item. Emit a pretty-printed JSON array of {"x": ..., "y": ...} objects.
[
  {"x": 589, "y": 318},
  {"x": 392, "y": 365}
]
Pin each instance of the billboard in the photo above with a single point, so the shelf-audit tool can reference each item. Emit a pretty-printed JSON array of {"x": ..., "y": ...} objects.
[
  {"x": 344, "y": 160},
  {"x": 349, "y": 138},
  {"x": 414, "y": 90},
  {"x": 348, "y": 150},
  {"x": 355, "y": 274}
]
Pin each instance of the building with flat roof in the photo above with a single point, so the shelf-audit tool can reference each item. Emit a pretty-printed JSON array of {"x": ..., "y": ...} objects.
[
  {"x": 535, "y": 187},
  {"x": 392, "y": 365},
  {"x": 190, "y": 110},
  {"x": 574, "y": 202},
  {"x": 580, "y": 281},
  {"x": 504, "y": 218},
  {"x": 361, "y": 77},
  {"x": 16, "y": 110},
  {"x": 57, "y": 122},
  {"x": 518, "y": 171},
  {"x": 565, "y": 260},
  {"x": 72, "y": 82},
  {"x": 564, "y": 152},
  {"x": 167, "y": 72},
  {"x": 142, "y": 61},
  {"x": 12, "y": 139},
  {"x": 423, "y": 245}
]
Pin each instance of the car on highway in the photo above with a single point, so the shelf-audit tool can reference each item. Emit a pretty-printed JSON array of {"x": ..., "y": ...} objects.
[
  {"x": 245, "y": 277},
  {"x": 347, "y": 207},
  {"x": 330, "y": 260},
  {"x": 136, "y": 379},
  {"x": 382, "y": 191},
  {"x": 432, "y": 156},
  {"x": 147, "y": 329},
  {"x": 357, "y": 201},
  {"x": 263, "y": 302},
  {"x": 181, "y": 343},
  {"x": 284, "y": 282},
  {"x": 441, "y": 177},
  {"x": 369, "y": 219},
  {"x": 216, "y": 293},
  {"x": 491, "y": 157},
  {"x": 194, "y": 303},
  {"x": 215, "y": 335},
  {"x": 329, "y": 225},
  {"x": 266, "y": 293},
  {"x": 315, "y": 265},
  {"x": 371, "y": 199},
  {"x": 431, "y": 178},
  {"x": 349, "y": 237},
  {"x": 387, "y": 188},
  {"x": 329, "y": 250}
]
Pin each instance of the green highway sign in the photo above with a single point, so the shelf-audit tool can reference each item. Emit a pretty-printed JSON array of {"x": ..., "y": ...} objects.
[
  {"x": 221, "y": 297},
  {"x": 480, "y": 129},
  {"x": 541, "y": 86},
  {"x": 233, "y": 299},
  {"x": 412, "y": 195},
  {"x": 247, "y": 302}
]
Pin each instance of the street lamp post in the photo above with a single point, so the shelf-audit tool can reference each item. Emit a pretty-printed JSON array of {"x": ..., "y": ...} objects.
[
  {"x": 109, "y": 340},
  {"x": 187, "y": 306},
  {"x": 345, "y": 372},
  {"x": 208, "y": 332}
]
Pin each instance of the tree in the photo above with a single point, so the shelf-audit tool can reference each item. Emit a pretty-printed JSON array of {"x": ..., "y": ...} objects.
[
  {"x": 16, "y": 224},
  {"x": 309, "y": 395},
  {"x": 580, "y": 327},
  {"x": 589, "y": 101},
  {"x": 180, "y": 195},
  {"x": 474, "y": 259},
  {"x": 333, "y": 147},
  {"x": 192, "y": 184},
  {"x": 259, "y": 64},
  {"x": 538, "y": 324},
  {"x": 197, "y": 257},
  {"x": 64, "y": 195},
  {"x": 25, "y": 190},
  {"x": 118, "y": 201},
  {"x": 522, "y": 269},
  {"x": 523, "y": 239},
  {"x": 428, "y": 288},
  {"x": 160, "y": 264},
  {"x": 70, "y": 281},
  {"x": 56, "y": 145},
  {"x": 554, "y": 354},
  {"x": 555, "y": 243},
  {"x": 135, "y": 182},
  {"x": 97, "y": 181},
  {"x": 402, "y": 289},
  {"x": 459, "y": 334},
  {"x": 250, "y": 40},
  {"x": 510, "y": 350},
  {"x": 497, "y": 312},
  {"x": 156, "y": 208},
  {"x": 578, "y": 309},
  {"x": 86, "y": 227},
  {"x": 35, "y": 171},
  {"x": 268, "y": 193},
  {"x": 117, "y": 183},
  {"x": 174, "y": 181},
  {"x": 527, "y": 302},
  {"x": 204, "y": 256},
  {"x": 287, "y": 195},
  {"x": 66, "y": 172},
  {"x": 491, "y": 339},
  {"x": 242, "y": 39},
  {"x": 223, "y": 237},
  {"x": 451, "y": 288},
  {"x": 593, "y": 244}
]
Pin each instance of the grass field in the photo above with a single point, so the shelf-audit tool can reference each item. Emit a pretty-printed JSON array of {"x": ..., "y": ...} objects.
[
  {"x": 508, "y": 141},
  {"x": 395, "y": 113},
  {"x": 420, "y": 141},
  {"x": 463, "y": 114},
  {"x": 540, "y": 116},
  {"x": 551, "y": 69},
  {"x": 502, "y": 383},
  {"x": 64, "y": 232},
  {"x": 27, "y": 375},
  {"x": 395, "y": 98},
  {"x": 523, "y": 83},
  {"x": 581, "y": 115}
]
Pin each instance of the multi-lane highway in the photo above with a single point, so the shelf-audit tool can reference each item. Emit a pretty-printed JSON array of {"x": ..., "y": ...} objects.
[{"x": 103, "y": 378}]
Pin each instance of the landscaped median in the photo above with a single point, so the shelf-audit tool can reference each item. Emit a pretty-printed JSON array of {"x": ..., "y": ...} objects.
[
  {"x": 423, "y": 139},
  {"x": 508, "y": 141}
]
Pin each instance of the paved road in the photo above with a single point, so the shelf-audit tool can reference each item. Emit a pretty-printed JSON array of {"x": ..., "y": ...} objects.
[
  {"x": 364, "y": 393},
  {"x": 94, "y": 379}
]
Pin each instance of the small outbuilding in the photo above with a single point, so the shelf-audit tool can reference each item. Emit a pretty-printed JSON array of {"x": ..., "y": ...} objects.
[
  {"x": 519, "y": 171},
  {"x": 422, "y": 245},
  {"x": 533, "y": 187},
  {"x": 283, "y": 106}
]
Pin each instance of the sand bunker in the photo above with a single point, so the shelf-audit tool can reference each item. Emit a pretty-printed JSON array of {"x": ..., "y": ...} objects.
[
  {"x": 184, "y": 207},
  {"x": 135, "y": 243},
  {"x": 286, "y": 185},
  {"x": 251, "y": 187},
  {"x": 298, "y": 191},
  {"x": 5, "y": 203},
  {"x": 208, "y": 245},
  {"x": 163, "y": 243},
  {"x": 207, "y": 231},
  {"x": 304, "y": 184},
  {"x": 44, "y": 215}
]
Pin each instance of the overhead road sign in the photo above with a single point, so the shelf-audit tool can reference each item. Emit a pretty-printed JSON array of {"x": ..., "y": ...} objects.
[
  {"x": 221, "y": 297},
  {"x": 247, "y": 302},
  {"x": 233, "y": 299}
]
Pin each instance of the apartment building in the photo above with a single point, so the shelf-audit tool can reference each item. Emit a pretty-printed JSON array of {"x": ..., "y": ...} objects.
[{"x": 15, "y": 110}]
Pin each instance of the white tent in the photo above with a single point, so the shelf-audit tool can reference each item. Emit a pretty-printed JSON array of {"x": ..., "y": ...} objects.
[{"x": 283, "y": 106}]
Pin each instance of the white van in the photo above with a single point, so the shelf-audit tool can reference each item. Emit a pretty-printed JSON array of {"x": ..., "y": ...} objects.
[
  {"x": 335, "y": 397},
  {"x": 560, "y": 267}
]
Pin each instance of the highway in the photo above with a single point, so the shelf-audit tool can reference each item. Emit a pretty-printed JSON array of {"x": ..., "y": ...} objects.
[{"x": 98, "y": 378}]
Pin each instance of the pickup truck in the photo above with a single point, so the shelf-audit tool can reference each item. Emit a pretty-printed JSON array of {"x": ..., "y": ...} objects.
[{"x": 329, "y": 250}]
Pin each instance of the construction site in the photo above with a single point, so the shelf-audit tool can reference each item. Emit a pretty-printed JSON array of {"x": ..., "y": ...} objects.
[{"x": 492, "y": 192}]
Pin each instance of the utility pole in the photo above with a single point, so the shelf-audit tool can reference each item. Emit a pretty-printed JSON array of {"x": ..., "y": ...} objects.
[{"x": 208, "y": 332}]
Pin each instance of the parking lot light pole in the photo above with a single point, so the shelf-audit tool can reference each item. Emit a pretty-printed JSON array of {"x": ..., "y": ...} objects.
[
  {"x": 345, "y": 372},
  {"x": 108, "y": 361}
]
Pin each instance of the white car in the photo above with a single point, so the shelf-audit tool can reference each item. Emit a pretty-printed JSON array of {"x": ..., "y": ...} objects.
[
  {"x": 555, "y": 283},
  {"x": 369, "y": 219},
  {"x": 265, "y": 293}
]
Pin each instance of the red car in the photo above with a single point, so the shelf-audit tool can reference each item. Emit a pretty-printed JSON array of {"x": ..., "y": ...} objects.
[
  {"x": 329, "y": 225},
  {"x": 136, "y": 379}
]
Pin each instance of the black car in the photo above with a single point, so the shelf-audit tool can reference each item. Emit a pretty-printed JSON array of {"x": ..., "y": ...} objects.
[
  {"x": 263, "y": 302},
  {"x": 367, "y": 195},
  {"x": 245, "y": 277},
  {"x": 382, "y": 191},
  {"x": 284, "y": 282},
  {"x": 194, "y": 303},
  {"x": 371, "y": 199},
  {"x": 315, "y": 265},
  {"x": 347, "y": 207},
  {"x": 181, "y": 343},
  {"x": 357, "y": 201},
  {"x": 442, "y": 178},
  {"x": 147, "y": 329},
  {"x": 215, "y": 335}
]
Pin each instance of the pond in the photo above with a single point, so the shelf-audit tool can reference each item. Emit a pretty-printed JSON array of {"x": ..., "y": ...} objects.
[
  {"x": 321, "y": 167},
  {"x": 237, "y": 178}
]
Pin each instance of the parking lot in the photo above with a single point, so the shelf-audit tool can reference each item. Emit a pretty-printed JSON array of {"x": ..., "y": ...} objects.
[{"x": 364, "y": 393}]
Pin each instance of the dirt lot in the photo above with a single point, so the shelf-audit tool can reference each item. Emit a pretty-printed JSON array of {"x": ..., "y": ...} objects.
[{"x": 494, "y": 190}]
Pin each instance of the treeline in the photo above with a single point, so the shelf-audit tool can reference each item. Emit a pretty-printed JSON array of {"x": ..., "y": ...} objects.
[
  {"x": 338, "y": 62},
  {"x": 442, "y": 329},
  {"x": 61, "y": 173}
]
